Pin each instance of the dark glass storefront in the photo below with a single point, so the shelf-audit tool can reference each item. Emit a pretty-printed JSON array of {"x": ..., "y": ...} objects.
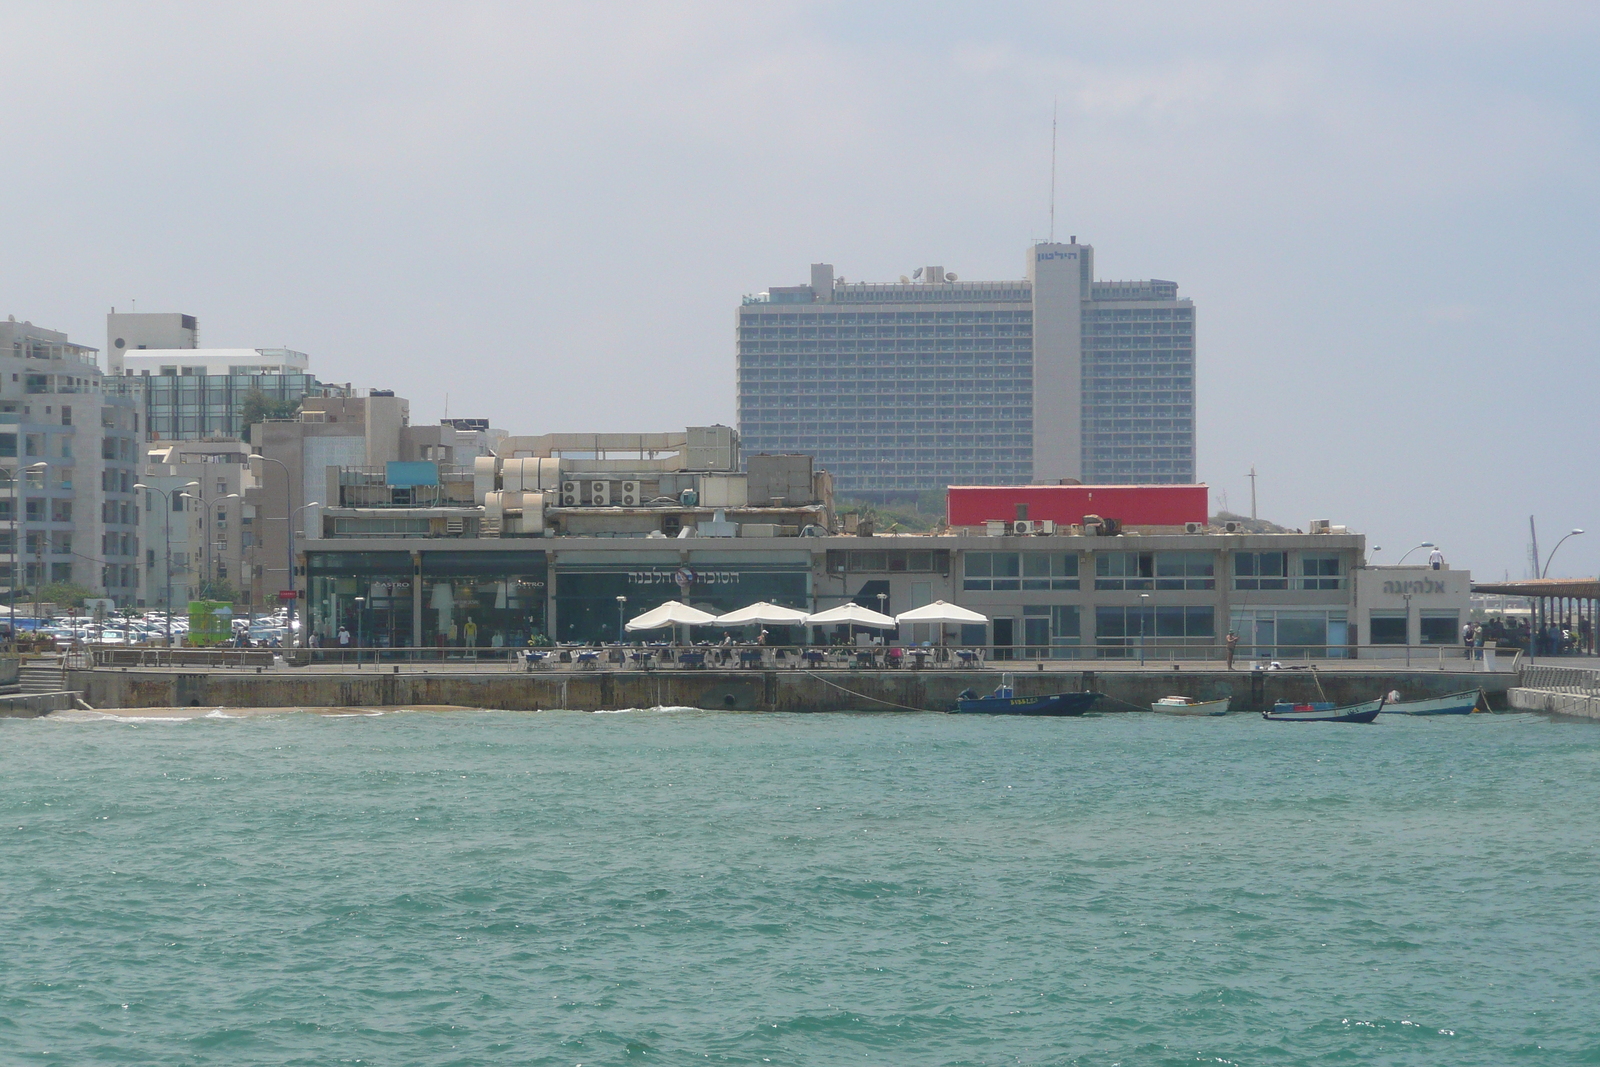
[
  {"x": 587, "y": 608},
  {"x": 469, "y": 599}
]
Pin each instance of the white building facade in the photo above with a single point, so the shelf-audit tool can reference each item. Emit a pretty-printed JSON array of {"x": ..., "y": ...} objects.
[
  {"x": 909, "y": 387},
  {"x": 69, "y": 446}
]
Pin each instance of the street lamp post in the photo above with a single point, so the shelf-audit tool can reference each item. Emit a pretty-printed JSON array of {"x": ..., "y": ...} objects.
[
  {"x": 1545, "y": 573},
  {"x": 1407, "y": 597},
  {"x": 361, "y": 603},
  {"x": 289, "y": 520},
  {"x": 22, "y": 515},
  {"x": 292, "y": 514},
  {"x": 1144, "y": 601},
  {"x": 622, "y": 606},
  {"x": 18, "y": 529},
  {"x": 167, "y": 509},
  {"x": 1425, "y": 544}
]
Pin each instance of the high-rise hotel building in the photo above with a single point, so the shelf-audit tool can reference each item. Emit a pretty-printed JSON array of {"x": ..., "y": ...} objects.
[{"x": 934, "y": 381}]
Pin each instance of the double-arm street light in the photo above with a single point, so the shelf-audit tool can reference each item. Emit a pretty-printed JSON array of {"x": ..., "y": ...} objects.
[
  {"x": 206, "y": 529},
  {"x": 166, "y": 495}
]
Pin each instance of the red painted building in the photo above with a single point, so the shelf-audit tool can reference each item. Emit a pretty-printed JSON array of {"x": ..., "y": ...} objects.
[{"x": 1131, "y": 505}]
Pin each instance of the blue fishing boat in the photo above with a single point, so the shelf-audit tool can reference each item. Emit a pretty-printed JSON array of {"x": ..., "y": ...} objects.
[
  {"x": 1286, "y": 712},
  {"x": 1004, "y": 701}
]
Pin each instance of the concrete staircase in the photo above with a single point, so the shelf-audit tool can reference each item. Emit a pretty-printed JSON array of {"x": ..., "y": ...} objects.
[{"x": 41, "y": 676}]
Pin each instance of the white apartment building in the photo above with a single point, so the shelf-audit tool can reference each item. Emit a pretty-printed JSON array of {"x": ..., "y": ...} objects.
[{"x": 69, "y": 445}]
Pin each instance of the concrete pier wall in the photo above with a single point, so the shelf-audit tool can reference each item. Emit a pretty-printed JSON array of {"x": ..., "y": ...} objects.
[
  {"x": 33, "y": 705},
  {"x": 794, "y": 690},
  {"x": 1555, "y": 703}
]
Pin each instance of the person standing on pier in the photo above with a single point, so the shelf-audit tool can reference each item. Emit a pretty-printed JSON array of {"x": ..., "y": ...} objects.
[{"x": 1233, "y": 646}]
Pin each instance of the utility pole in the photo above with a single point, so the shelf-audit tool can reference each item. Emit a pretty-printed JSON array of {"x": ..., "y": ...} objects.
[{"x": 1252, "y": 490}]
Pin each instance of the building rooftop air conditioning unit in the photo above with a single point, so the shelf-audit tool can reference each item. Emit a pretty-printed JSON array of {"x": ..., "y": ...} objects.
[
  {"x": 1040, "y": 526},
  {"x": 1232, "y": 527},
  {"x": 630, "y": 494},
  {"x": 995, "y": 527},
  {"x": 569, "y": 494},
  {"x": 1193, "y": 527},
  {"x": 1022, "y": 527},
  {"x": 600, "y": 494},
  {"x": 1320, "y": 525}
]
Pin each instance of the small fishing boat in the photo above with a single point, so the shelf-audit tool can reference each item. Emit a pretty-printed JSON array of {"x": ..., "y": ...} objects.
[
  {"x": 1004, "y": 701},
  {"x": 1180, "y": 705},
  {"x": 1462, "y": 703},
  {"x": 1283, "y": 711}
]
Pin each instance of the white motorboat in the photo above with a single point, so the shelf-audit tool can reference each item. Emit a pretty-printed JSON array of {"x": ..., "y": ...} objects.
[
  {"x": 1180, "y": 705},
  {"x": 1462, "y": 703}
]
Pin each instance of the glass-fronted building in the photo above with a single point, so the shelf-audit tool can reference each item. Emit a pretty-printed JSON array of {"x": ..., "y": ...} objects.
[
  {"x": 193, "y": 406},
  {"x": 436, "y": 597},
  {"x": 1170, "y": 595}
]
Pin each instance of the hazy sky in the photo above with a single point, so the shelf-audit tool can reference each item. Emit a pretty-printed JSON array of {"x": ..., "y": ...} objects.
[{"x": 1385, "y": 212}]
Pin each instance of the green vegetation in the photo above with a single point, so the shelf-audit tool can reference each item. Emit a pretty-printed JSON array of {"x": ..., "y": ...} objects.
[
  {"x": 920, "y": 514},
  {"x": 1249, "y": 525},
  {"x": 64, "y": 594},
  {"x": 259, "y": 406},
  {"x": 220, "y": 590}
]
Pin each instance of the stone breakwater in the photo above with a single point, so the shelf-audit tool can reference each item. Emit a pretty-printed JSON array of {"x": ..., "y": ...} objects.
[{"x": 742, "y": 690}]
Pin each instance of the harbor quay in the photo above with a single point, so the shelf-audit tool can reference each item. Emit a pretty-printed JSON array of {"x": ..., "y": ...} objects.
[{"x": 1125, "y": 687}]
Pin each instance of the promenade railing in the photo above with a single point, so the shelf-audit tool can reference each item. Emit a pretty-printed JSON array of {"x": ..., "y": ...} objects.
[{"x": 1117, "y": 652}]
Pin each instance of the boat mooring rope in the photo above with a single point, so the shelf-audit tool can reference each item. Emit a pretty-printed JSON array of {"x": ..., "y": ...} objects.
[{"x": 863, "y": 696}]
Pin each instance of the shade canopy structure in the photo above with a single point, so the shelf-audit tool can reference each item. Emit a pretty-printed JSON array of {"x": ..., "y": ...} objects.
[
  {"x": 854, "y": 615},
  {"x": 940, "y": 612},
  {"x": 764, "y": 614},
  {"x": 672, "y": 613}
]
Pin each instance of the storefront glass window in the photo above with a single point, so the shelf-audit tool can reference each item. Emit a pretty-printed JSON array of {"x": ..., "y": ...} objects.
[
  {"x": 1440, "y": 627},
  {"x": 587, "y": 607},
  {"x": 469, "y": 599}
]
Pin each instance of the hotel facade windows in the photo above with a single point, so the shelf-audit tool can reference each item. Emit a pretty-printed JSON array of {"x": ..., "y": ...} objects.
[{"x": 905, "y": 388}]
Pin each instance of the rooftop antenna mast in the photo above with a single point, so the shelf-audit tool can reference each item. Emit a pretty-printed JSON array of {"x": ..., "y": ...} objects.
[
  {"x": 1252, "y": 490},
  {"x": 1054, "y": 107}
]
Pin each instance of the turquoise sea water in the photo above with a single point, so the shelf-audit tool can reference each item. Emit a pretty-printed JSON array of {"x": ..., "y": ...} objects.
[{"x": 683, "y": 887}]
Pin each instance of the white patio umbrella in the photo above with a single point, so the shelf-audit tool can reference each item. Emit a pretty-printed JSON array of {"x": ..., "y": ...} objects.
[
  {"x": 764, "y": 614},
  {"x": 672, "y": 613},
  {"x": 942, "y": 614},
  {"x": 855, "y": 615},
  {"x": 939, "y": 611}
]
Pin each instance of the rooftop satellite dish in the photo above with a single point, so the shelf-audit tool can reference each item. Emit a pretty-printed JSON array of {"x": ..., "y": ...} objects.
[
  {"x": 949, "y": 277},
  {"x": 904, "y": 280},
  {"x": 917, "y": 273}
]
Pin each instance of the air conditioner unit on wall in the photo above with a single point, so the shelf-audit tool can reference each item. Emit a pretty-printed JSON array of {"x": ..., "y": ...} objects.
[
  {"x": 1022, "y": 526},
  {"x": 630, "y": 494},
  {"x": 600, "y": 493},
  {"x": 569, "y": 494}
]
